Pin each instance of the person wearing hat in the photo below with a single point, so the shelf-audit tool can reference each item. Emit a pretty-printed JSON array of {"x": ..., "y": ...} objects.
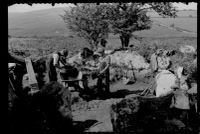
[
  {"x": 56, "y": 61},
  {"x": 101, "y": 63},
  {"x": 100, "y": 58},
  {"x": 93, "y": 65}
]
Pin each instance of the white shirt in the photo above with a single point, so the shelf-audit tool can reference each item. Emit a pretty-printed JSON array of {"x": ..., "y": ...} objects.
[
  {"x": 165, "y": 80},
  {"x": 56, "y": 60}
]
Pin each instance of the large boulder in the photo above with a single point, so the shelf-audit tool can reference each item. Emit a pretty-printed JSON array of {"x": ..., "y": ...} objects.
[
  {"x": 136, "y": 113},
  {"x": 123, "y": 114}
]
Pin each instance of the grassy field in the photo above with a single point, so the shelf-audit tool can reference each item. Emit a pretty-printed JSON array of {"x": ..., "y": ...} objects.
[
  {"x": 189, "y": 24},
  {"x": 48, "y": 22},
  {"x": 36, "y": 47},
  {"x": 180, "y": 13},
  {"x": 37, "y": 23}
]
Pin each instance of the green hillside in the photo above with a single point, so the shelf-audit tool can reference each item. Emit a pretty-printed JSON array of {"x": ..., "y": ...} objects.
[
  {"x": 37, "y": 23},
  {"x": 48, "y": 22}
]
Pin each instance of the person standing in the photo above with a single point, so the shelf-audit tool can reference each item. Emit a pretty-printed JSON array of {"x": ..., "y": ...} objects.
[
  {"x": 100, "y": 69},
  {"x": 154, "y": 61},
  {"x": 56, "y": 61}
]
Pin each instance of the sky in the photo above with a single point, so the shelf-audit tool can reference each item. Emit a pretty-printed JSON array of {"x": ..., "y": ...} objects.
[{"x": 35, "y": 7}]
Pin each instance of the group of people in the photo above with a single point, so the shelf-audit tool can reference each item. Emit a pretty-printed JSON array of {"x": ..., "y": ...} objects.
[
  {"x": 55, "y": 66},
  {"x": 170, "y": 79},
  {"x": 94, "y": 62},
  {"x": 59, "y": 68},
  {"x": 165, "y": 77}
]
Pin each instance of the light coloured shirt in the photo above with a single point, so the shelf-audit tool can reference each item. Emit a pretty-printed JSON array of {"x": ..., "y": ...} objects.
[
  {"x": 165, "y": 80},
  {"x": 56, "y": 60}
]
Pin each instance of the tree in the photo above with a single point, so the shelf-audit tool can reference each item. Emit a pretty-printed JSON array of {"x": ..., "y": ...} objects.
[
  {"x": 127, "y": 18},
  {"x": 88, "y": 21}
]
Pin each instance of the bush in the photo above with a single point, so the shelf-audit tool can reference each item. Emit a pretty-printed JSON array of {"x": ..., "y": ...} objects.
[{"x": 186, "y": 61}]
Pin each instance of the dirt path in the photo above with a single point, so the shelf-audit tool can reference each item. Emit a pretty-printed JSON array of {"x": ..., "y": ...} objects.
[{"x": 98, "y": 111}]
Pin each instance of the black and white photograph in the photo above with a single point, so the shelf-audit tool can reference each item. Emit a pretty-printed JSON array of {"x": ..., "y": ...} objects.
[{"x": 102, "y": 67}]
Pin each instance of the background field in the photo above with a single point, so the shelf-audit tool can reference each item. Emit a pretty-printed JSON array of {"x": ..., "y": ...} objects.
[
  {"x": 49, "y": 23},
  {"x": 184, "y": 23},
  {"x": 41, "y": 32}
]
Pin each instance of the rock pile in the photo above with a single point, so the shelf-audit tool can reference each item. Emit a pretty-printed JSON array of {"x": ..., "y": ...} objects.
[{"x": 122, "y": 58}]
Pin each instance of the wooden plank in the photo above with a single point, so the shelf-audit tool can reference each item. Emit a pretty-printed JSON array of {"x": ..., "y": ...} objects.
[{"x": 32, "y": 79}]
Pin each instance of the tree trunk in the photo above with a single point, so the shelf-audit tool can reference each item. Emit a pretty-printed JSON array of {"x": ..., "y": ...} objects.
[
  {"x": 125, "y": 38},
  {"x": 122, "y": 41}
]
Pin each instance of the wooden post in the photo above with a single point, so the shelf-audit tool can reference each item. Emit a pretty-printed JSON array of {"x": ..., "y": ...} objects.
[
  {"x": 32, "y": 79},
  {"x": 108, "y": 76},
  {"x": 108, "y": 80}
]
